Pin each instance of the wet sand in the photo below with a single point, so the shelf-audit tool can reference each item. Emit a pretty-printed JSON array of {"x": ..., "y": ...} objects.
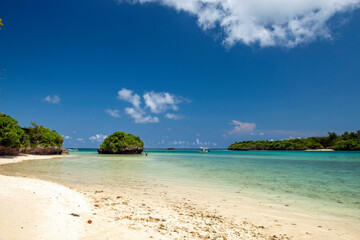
[
  {"x": 185, "y": 214},
  {"x": 26, "y": 157}
]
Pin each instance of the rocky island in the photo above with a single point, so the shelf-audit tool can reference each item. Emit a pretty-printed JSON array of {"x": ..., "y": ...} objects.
[
  {"x": 36, "y": 139},
  {"x": 121, "y": 143}
]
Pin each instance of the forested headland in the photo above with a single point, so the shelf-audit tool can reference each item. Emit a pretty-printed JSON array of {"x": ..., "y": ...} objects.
[{"x": 348, "y": 141}]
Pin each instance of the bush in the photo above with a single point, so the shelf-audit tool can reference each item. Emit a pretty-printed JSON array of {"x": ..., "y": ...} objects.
[
  {"x": 120, "y": 141},
  {"x": 39, "y": 135},
  {"x": 347, "y": 145},
  {"x": 11, "y": 134}
]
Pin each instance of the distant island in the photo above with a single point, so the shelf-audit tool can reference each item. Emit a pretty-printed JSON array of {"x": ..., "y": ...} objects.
[
  {"x": 35, "y": 139},
  {"x": 121, "y": 143},
  {"x": 345, "y": 142}
]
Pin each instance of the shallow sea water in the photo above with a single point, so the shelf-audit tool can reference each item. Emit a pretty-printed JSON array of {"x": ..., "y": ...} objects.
[{"x": 325, "y": 182}]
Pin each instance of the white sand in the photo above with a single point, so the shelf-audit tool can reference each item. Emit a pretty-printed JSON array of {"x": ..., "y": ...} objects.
[
  {"x": 26, "y": 157},
  {"x": 36, "y": 209},
  {"x": 181, "y": 213},
  {"x": 320, "y": 150}
]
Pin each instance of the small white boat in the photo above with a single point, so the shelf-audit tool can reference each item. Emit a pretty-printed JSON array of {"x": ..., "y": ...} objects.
[
  {"x": 204, "y": 149},
  {"x": 73, "y": 149}
]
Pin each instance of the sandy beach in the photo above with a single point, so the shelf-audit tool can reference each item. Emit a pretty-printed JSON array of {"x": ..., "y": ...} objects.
[
  {"x": 37, "y": 209},
  {"x": 26, "y": 157},
  {"x": 184, "y": 214}
]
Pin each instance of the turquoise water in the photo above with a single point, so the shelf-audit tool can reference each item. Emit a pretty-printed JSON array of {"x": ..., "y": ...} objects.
[{"x": 325, "y": 181}]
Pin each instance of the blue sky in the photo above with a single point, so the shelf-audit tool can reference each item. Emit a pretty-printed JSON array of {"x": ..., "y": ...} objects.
[{"x": 181, "y": 75}]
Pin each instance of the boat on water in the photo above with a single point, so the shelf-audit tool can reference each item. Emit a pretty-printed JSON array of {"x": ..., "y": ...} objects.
[
  {"x": 73, "y": 149},
  {"x": 204, "y": 149}
]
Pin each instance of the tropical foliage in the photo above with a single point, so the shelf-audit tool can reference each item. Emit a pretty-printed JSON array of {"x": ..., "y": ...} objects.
[
  {"x": 345, "y": 142},
  {"x": 13, "y": 136},
  {"x": 39, "y": 135},
  {"x": 120, "y": 141}
]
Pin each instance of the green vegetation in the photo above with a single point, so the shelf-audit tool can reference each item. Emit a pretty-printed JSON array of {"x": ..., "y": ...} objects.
[
  {"x": 121, "y": 142},
  {"x": 39, "y": 135},
  {"x": 345, "y": 142},
  {"x": 13, "y": 136}
]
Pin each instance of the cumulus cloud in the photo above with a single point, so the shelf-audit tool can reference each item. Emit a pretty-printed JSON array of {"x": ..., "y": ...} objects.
[
  {"x": 66, "y": 137},
  {"x": 98, "y": 138},
  {"x": 155, "y": 103},
  {"x": 265, "y": 22},
  {"x": 55, "y": 99},
  {"x": 114, "y": 113},
  {"x": 173, "y": 116},
  {"x": 139, "y": 116},
  {"x": 160, "y": 102},
  {"x": 129, "y": 96},
  {"x": 242, "y": 127}
]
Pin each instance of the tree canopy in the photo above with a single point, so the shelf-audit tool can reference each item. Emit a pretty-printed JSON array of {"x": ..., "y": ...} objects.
[
  {"x": 121, "y": 141},
  {"x": 13, "y": 136},
  {"x": 39, "y": 135},
  {"x": 345, "y": 142}
]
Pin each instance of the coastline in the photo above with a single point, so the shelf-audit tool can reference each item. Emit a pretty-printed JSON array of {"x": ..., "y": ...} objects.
[
  {"x": 26, "y": 157},
  {"x": 43, "y": 209},
  {"x": 38, "y": 209},
  {"x": 175, "y": 212},
  {"x": 320, "y": 150}
]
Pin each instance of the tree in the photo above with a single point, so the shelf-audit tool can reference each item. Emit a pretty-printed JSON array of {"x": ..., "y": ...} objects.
[
  {"x": 121, "y": 142},
  {"x": 11, "y": 134},
  {"x": 39, "y": 135},
  {"x": 332, "y": 136},
  {"x": 345, "y": 135},
  {"x": 346, "y": 142},
  {"x": 1, "y": 24}
]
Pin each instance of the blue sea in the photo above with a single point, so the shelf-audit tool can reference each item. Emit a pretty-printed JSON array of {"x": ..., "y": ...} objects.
[{"x": 324, "y": 182}]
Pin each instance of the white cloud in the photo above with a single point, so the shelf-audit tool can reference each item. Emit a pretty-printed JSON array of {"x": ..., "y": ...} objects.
[
  {"x": 97, "y": 138},
  {"x": 80, "y": 139},
  {"x": 242, "y": 127},
  {"x": 66, "y": 137},
  {"x": 114, "y": 113},
  {"x": 266, "y": 22},
  {"x": 55, "y": 99},
  {"x": 155, "y": 102},
  {"x": 197, "y": 141},
  {"x": 139, "y": 116},
  {"x": 173, "y": 116},
  {"x": 160, "y": 102},
  {"x": 129, "y": 96}
]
